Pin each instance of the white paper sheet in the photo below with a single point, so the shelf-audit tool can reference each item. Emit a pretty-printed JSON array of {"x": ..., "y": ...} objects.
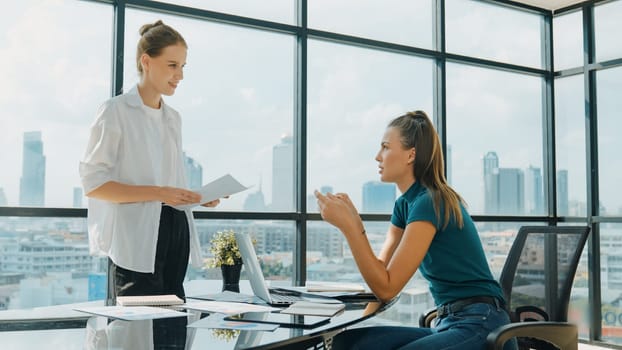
[
  {"x": 225, "y": 185},
  {"x": 228, "y": 308},
  {"x": 132, "y": 313}
]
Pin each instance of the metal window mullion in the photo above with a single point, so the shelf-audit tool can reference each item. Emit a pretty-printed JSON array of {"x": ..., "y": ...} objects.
[
  {"x": 118, "y": 42},
  {"x": 548, "y": 120},
  {"x": 591, "y": 138},
  {"x": 551, "y": 283},
  {"x": 300, "y": 136},
  {"x": 440, "y": 77}
]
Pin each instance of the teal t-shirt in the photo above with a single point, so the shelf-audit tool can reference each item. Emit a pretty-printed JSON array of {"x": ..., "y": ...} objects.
[{"x": 455, "y": 265}]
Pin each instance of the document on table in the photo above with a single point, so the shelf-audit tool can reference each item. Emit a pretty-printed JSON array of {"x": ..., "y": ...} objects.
[
  {"x": 334, "y": 287},
  {"x": 149, "y": 300},
  {"x": 228, "y": 308},
  {"x": 223, "y": 186},
  {"x": 132, "y": 313},
  {"x": 315, "y": 309}
]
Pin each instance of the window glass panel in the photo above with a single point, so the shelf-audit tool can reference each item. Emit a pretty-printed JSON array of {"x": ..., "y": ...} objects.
[
  {"x": 274, "y": 245},
  {"x": 53, "y": 80},
  {"x": 578, "y": 308},
  {"x": 608, "y": 30},
  {"x": 570, "y": 146},
  {"x": 274, "y": 10},
  {"x": 568, "y": 40},
  {"x": 611, "y": 281},
  {"x": 236, "y": 104},
  {"x": 493, "y": 32},
  {"x": 353, "y": 93},
  {"x": 398, "y": 21},
  {"x": 609, "y": 141},
  {"x": 46, "y": 261},
  {"x": 494, "y": 128}
]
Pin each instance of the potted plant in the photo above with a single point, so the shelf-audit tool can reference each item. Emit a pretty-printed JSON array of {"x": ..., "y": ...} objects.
[{"x": 226, "y": 255}]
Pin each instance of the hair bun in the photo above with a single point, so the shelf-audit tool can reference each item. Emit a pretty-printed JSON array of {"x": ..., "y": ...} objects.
[{"x": 145, "y": 28}]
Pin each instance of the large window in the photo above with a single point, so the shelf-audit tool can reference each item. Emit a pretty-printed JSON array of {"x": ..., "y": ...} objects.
[
  {"x": 479, "y": 29},
  {"x": 54, "y": 78},
  {"x": 353, "y": 94},
  {"x": 611, "y": 280},
  {"x": 570, "y": 147},
  {"x": 608, "y": 29},
  {"x": 494, "y": 129},
  {"x": 609, "y": 142},
  {"x": 568, "y": 40},
  {"x": 402, "y": 21},
  {"x": 236, "y": 104},
  {"x": 46, "y": 261},
  {"x": 274, "y": 244},
  {"x": 273, "y": 10},
  {"x": 260, "y": 79}
]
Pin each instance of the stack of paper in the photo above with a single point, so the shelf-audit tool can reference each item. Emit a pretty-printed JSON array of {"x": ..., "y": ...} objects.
[
  {"x": 315, "y": 309},
  {"x": 149, "y": 300}
]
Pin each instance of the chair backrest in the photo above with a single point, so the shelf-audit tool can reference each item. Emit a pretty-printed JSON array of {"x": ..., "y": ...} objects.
[{"x": 539, "y": 272}]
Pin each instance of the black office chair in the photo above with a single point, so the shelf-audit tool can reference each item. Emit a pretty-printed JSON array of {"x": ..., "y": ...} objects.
[{"x": 537, "y": 280}]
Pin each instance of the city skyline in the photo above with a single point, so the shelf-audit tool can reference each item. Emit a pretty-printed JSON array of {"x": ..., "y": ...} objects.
[{"x": 507, "y": 191}]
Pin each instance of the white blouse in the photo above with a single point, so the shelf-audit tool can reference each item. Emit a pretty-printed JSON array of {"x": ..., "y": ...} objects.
[{"x": 134, "y": 145}]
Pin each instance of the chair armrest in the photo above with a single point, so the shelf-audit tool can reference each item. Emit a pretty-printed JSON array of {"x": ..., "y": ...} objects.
[
  {"x": 562, "y": 334},
  {"x": 426, "y": 318}
]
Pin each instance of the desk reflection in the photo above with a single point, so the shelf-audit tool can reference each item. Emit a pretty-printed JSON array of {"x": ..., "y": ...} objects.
[
  {"x": 165, "y": 333},
  {"x": 172, "y": 333}
]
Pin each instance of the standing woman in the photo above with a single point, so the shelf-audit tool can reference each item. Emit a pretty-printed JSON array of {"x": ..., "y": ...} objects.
[
  {"x": 431, "y": 231},
  {"x": 133, "y": 173}
]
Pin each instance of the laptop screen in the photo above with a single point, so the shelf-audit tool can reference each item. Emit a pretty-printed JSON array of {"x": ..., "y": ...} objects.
[{"x": 251, "y": 265}]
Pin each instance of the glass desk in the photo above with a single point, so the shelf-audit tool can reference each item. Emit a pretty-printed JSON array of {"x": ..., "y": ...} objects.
[{"x": 102, "y": 333}]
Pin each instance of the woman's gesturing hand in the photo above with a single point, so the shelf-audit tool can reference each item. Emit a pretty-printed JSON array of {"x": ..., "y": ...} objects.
[{"x": 338, "y": 210}]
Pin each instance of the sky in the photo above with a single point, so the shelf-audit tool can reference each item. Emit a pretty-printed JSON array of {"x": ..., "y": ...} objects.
[{"x": 236, "y": 100}]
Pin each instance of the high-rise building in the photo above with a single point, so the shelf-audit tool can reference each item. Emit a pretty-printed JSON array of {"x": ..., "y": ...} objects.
[
  {"x": 562, "y": 192},
  {"x": 194, "y": 172},
  {"x": 32, "y": 182},
  {"x": 3, "y": 200},
  {"x": 378, "y": 197},
  {"x": 77, "y": 197},
  {"x": 534, "y": 195},
  {"x": 283, "y": 175},
  {"x": 504, "y": 188},
  {"x": 511, "y": 191},
  {"x": 491, "y": 183}
]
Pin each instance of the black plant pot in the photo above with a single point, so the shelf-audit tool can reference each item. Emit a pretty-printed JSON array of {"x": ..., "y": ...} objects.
[{"x": 231, "y": 277}]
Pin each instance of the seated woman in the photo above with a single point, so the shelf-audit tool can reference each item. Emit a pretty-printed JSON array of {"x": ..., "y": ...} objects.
[{"x": 431, "y": 231}]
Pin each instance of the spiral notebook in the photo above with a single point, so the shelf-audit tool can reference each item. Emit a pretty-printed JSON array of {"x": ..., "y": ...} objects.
[{"x": 149, "y": 300}]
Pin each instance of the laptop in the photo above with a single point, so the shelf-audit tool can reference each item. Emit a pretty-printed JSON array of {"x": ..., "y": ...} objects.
[{"x": 276, "y": 297}]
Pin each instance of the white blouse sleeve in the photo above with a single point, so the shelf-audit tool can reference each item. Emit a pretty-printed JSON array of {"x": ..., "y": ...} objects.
[{"x": 100, "y": 159}]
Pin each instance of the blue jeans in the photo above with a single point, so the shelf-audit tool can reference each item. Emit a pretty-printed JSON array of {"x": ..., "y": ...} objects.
[{"x": 464, "y": 330}]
